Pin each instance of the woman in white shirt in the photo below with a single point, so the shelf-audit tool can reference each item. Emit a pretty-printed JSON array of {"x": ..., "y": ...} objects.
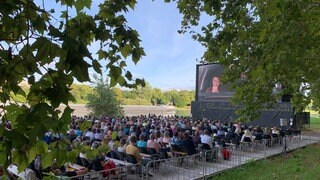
[{"x": 247, "y": 136}]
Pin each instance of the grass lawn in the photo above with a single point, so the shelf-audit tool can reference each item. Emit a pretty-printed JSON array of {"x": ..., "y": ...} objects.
[
  {"x": 315, "y": 122},
  {"x": 301, "y": 164}
]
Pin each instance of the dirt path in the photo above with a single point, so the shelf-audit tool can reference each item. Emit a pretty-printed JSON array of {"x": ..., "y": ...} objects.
[{"x": 81, "y": 110}]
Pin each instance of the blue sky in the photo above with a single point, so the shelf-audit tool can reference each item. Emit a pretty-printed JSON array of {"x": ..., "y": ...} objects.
[{"x": 170, "y": 61}]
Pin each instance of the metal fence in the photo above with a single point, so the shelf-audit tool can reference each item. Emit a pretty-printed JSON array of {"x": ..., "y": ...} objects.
[{"x": 205, "y": 164}]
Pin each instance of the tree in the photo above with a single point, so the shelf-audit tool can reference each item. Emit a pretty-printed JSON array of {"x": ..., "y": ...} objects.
[
  {"x": 268, "y": 42},
  {"x": 144, "y": 92},
  {"x": 188, "y": 96},
  {"x": 80, "y": 93},
  {"x": 49, "y": 48},
  {"x": 118, "y": 93},
  {"x": 157, "y": 96},
  {"x": 103, "y": 101}
]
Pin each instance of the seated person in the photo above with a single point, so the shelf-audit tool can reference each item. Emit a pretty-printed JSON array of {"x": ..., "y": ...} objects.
[
  {"x": 122, "y": 145},
  {"x": 166, "y": 139},
  {"x": 221, "y": 133},
  {"x": 275, "y": 132},
  {"x": 142, "y": 141},
  {"x": 133, "y": 150},
  {"x": 247, "y": 136},
  {"x": 153, "y": 144},
  {"x": 229, "y": 135},
  {"x": 98, "y": 136},
  {"x": 267, "y": 133},
  {"x": 177, "y": 138},
  {"x": 196, "y": 138},
  {"x": 206, "y": 138},
  {"x": 257, "y": 134},
  {"x": 188, "y": 145},
  {"x": 158, "y": 137}
]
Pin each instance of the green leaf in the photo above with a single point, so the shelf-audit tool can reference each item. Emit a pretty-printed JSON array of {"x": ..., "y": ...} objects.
[
  {"x": 40, "y": 147},
  {"x": 85, "y": 125},
  {"x": 60, "y": 156},
  {"x": 43, "y": 46},
  {"x": 140, "y": 82},
  {"x": 13, "y": 111},
  {"x": 96, "y": 66},
  {"x": 20, "y": 158},
  {"x": 31, "y": 80},
  {"x": 47, "y": 159},
  {"x": 91, "y": 154},
  {"x": 123, "y": 64},
  {"x": 126, "y": 50},
  {"x": 121, "y": 81},
  {"x": 132, "y": 4},
  {"x": 73, "y": 154},
  {"x": 128, "y": 75},
  {"x": 137, "y": 54},
  {"x": 3, "y": 156},
  {"x": 81, "y": 4},
  {"x": 80, "y": 71},
  {"x": 4, "y": 97},
  {"x": 65, "y": 118},
  {"x": 54, "y": 32}
]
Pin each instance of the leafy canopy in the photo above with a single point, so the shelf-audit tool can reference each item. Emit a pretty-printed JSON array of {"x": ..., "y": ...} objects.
[
  {"x": 267, "y": 42},
  {"x": 50, "y": 48}
]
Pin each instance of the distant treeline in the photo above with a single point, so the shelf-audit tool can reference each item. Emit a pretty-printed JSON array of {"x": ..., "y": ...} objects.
[{"x": 141, "y": 96}]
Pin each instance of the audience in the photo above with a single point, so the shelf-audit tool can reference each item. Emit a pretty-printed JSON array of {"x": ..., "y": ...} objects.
[{"x": 156, "y": 132}]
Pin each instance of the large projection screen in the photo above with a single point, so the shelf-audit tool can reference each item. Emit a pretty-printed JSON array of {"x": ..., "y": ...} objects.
[{"x": 209, "y": 86}]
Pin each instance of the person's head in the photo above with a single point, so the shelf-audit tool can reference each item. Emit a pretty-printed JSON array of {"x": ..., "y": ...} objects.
[
  {"x": 247, "y": 132},
  {"x": 185, "y": 135},
  {"x": 157, "y": 134},
  {"x": 142, "y": 137},
  {"x": 237, "y": 131},
  {"x": 215, "y": 81},
  {"x": 206, "y": 132},
  {"x": 166, "y": 134},
  {"x": 152, "y": 137},
  {"x": 122, "y": 141},
  {"x": 106, "y": 139},
  {"x": 133, "y": 139}
]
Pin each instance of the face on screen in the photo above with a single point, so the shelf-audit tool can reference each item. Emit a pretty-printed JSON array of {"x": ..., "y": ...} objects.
[{"x": 215, "y": 81}]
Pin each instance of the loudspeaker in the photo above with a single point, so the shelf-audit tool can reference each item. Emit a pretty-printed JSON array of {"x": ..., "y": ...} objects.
[
  {"x": 303, "y": 118},
  {"x": 286, "y": 98},
  {"x": 306, "y": 118},
  {"x": 283, "y": 122}
]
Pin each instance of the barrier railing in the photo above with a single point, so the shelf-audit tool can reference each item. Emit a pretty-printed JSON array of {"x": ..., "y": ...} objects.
[
  {"x": 204, "y": 164},
  {"x": 121, "y": 172}
]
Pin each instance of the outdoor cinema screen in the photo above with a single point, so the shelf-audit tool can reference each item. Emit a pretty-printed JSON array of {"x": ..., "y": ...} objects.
[{"x": 209, "y": 86}]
